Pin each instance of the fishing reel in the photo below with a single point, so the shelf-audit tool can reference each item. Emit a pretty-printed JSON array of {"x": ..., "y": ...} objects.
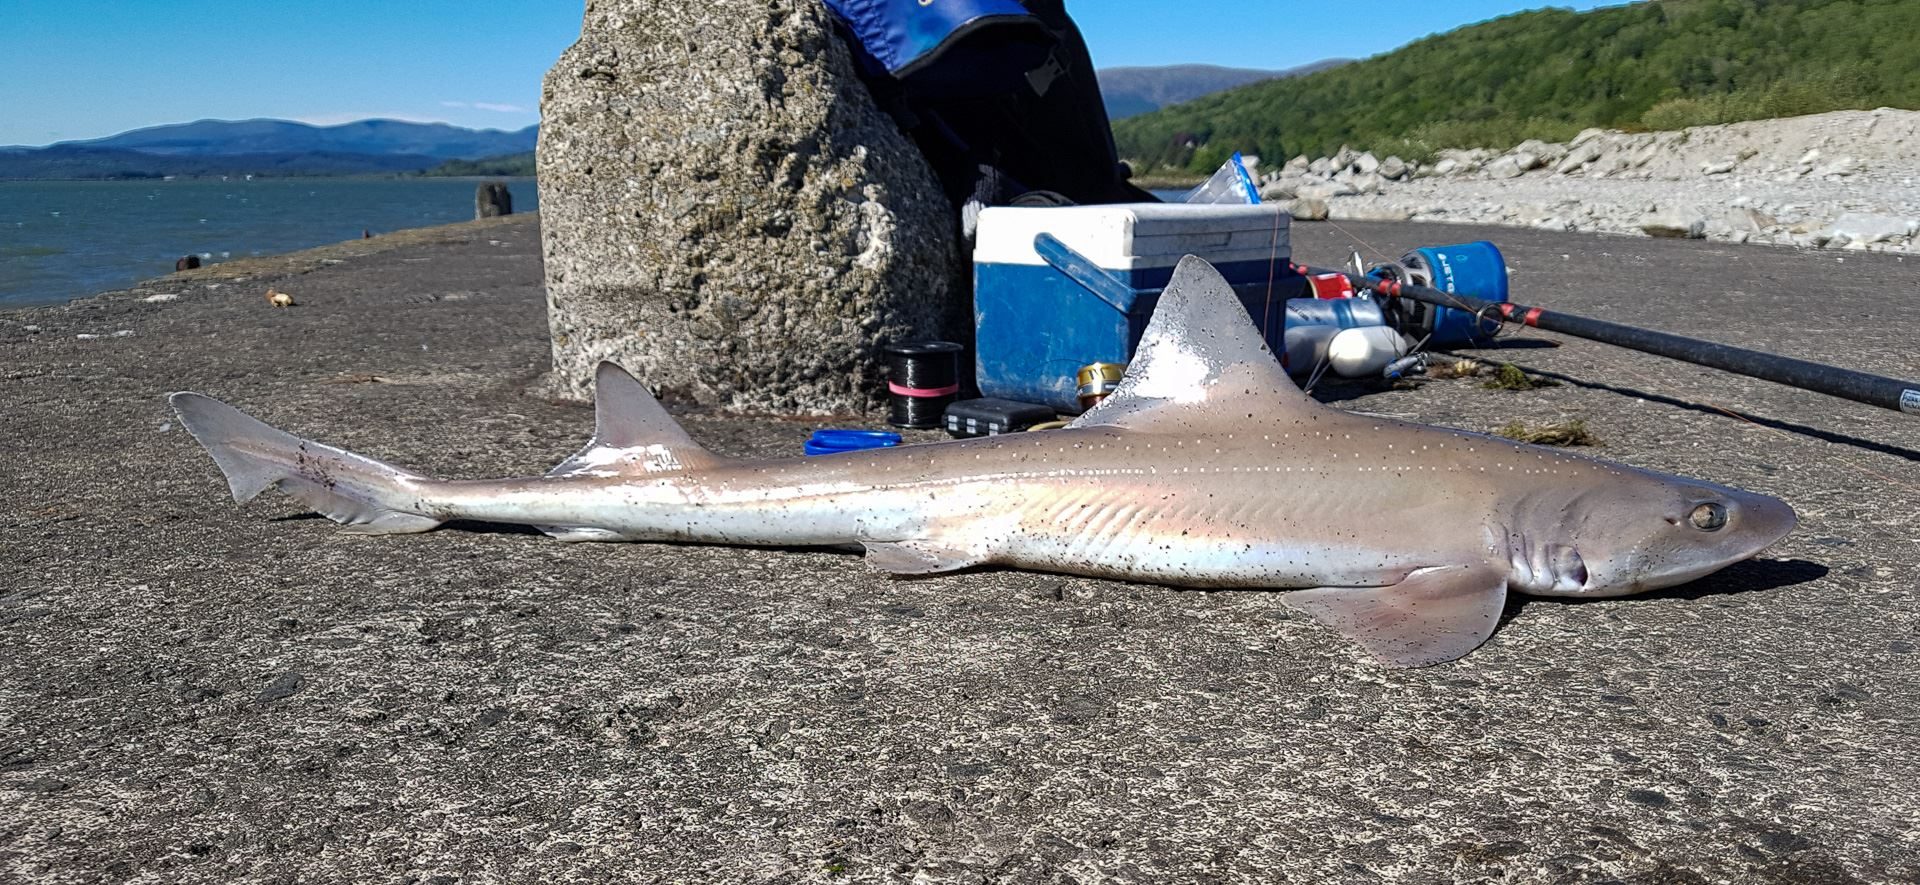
[{"x": 1477, "y": 269}]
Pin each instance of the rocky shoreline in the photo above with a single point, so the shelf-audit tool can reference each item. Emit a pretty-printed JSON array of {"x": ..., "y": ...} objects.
[{"x": 1847, "y": 179}]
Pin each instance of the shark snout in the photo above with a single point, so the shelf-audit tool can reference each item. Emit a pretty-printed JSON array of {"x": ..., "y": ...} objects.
[
  {"x": 1764, "y": 522},
  {"x": 1716, "y": 531}
]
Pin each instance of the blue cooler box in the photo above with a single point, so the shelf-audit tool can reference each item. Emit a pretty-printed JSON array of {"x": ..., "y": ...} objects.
[{"x": 1056, "y": 288}]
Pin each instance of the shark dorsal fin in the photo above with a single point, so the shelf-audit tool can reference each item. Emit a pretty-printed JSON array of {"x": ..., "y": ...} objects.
[
  {"x": 1201, "y": 357},
  {"x": 633, "y": 434}
]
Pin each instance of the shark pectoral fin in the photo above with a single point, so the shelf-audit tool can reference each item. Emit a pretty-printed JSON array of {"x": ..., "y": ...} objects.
[
  {"x": 1434, "y": 616},
  {"x": 919, "y": 557},
  {"x": 632, "y": 434}
]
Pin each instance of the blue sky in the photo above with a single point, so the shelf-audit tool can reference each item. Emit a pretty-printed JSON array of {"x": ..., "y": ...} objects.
[{"x": 74, "y": 69}]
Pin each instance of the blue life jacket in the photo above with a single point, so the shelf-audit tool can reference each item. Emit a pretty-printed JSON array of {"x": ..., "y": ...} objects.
[{"x": 947, "y": 48}]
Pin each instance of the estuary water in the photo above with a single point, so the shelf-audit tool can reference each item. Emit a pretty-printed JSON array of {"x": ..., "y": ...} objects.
[{"x": 61, "y": 240}]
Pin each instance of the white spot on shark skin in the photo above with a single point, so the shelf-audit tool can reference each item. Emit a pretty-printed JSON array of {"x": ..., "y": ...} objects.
[
  {"x": 1179, "y": 375},
  {"x": 606, "y": 461}
]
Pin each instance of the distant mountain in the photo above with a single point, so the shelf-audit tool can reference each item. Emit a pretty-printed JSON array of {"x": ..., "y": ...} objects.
[
  {"x": 72, "y": 161},
  {"x": 265, "y": 147},
  {"x": 1131, "y": 91},
  {"x": 374, "y": 137}
]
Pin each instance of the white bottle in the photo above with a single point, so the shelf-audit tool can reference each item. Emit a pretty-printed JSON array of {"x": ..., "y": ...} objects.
[
  {"x": 1312, "y": 322},
  {"x": 1362, "y": 352}
]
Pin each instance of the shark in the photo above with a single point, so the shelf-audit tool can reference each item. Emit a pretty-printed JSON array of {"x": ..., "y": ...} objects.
[{"x": 1206, "y": 467}]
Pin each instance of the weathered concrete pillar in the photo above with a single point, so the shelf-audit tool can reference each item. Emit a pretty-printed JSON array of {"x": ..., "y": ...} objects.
[
  {"x": 492, "y": 199},
  {"x": 727, "y": 214}
]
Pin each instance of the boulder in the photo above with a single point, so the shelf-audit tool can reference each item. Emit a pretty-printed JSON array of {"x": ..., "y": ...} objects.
[
  {"x": 1842, "y": 166},
  {"x": 1366, "y": 163},
  {"x": 1282, "y": 188},
  {"x": 1583, "y": 152},
  {"x": 1325, "y": 190},
  {"x": 1394, "y": 169},
  {"x": 1646, "y": 153},
  {"x": 1674, "y": 224},
  {"x": 1547, "y": 152},
  {"x": 1308, "y": 209},
  {"x": 1610, "y": 161},
  {"x": 1352, "y": 182},
  {"x": 1749, "y": 220},
  {"x": 747, "y": 232},
  {"x": 1505, "y": 167},
  {"x": 1867, "y": 228},
  {"x": 1369, "y": 213},
  {"x": 1719, "y": 167},
  {"x": 1297, "y": 166}
]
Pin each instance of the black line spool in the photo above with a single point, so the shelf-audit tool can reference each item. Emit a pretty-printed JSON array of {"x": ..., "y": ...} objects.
[{"x": 924, "y": 378}]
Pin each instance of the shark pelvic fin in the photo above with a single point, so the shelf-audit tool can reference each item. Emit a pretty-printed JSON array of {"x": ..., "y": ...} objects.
[
  {"x": 1434, "y": 616},
  {"x": 918, "y": 557},
  {"x": 633, "y": 434},
  {"x": 1201, "y": 362}
]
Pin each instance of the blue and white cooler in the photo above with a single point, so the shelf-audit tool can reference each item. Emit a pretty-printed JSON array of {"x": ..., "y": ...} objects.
[{"x": 1057, "y": 288}]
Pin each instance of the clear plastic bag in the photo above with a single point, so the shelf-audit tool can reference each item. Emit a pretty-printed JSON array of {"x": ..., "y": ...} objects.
[{"x": 1230, "y": 184}]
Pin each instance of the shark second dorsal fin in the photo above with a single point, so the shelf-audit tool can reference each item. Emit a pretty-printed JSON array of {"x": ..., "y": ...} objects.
[
  {"x": 633, "y": 434},
  {"x": 1201, "y": 357}
]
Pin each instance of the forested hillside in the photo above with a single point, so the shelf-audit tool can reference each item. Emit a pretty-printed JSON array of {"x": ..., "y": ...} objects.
[
  {"x": 506, "y": 165},
  {"x": 1548, "y": 74}
]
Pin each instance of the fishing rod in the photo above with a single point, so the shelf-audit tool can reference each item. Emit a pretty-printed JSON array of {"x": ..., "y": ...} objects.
[{"x": 1863, "y": 387}]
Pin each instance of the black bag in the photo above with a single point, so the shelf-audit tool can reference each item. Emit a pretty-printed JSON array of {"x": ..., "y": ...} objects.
[{"x": 1000, "y": 95}]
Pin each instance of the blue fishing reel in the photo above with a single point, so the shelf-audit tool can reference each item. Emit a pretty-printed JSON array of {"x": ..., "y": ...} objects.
[{"x": 1477, "y": 269}]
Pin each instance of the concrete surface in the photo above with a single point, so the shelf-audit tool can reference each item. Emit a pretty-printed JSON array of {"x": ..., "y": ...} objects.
[{"x": 194, "y": 692}]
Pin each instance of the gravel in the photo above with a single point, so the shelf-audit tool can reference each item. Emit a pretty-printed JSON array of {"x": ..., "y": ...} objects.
[{"x": 1847, "y": 179}]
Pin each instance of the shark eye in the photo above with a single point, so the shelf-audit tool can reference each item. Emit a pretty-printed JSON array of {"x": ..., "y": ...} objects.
[{"x": 1709, "y": 517}]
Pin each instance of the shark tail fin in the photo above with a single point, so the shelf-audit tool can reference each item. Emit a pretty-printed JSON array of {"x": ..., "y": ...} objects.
[
  {"x": 633, "y": 435},
  {"x": 367, "y": 496}
]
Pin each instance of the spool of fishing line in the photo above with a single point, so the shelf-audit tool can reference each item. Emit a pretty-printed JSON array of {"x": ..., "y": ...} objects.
[
  {"x": 923, "y": 378},
  {"x": 1096, "y": 381},
  {"x": 833, "y": 442}
]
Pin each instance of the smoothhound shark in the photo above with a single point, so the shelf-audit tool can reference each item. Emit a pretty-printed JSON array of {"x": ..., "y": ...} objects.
[{"x": 1207, "y": 467}]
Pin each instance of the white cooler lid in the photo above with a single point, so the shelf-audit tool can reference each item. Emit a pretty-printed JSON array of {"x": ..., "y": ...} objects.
[{"x": 1124, "y": 236}]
